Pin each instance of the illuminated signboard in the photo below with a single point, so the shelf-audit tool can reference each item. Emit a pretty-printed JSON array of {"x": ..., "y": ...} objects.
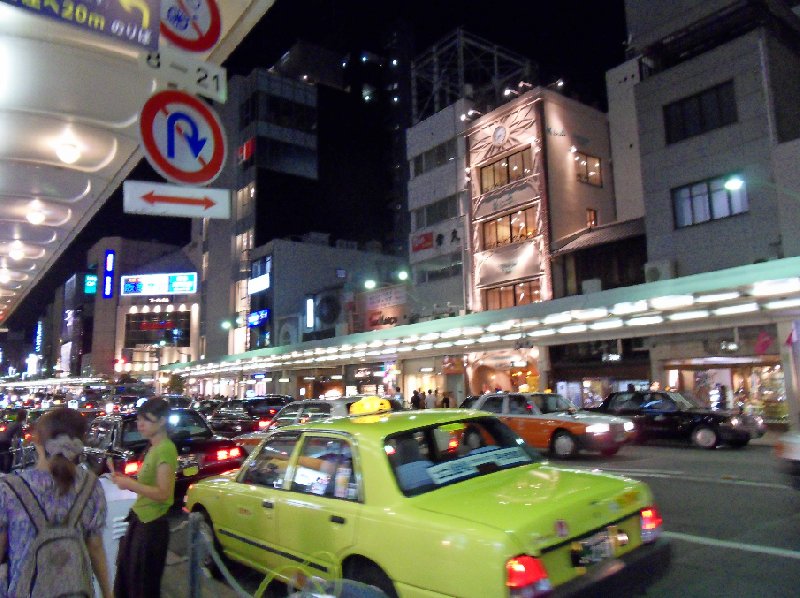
[
  {"x": 257, "y": 318},
  {"x": 90, "y": 284},
  {"x": 37, "y": 343},
  {"x": 181, "y": 283},
  {"x": 108, "y": 275}
]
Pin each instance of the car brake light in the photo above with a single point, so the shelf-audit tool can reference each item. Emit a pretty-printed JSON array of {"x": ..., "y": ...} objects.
[
  {"x": 651, "y": 522},
  {"x": 452, "y": 444},
  {"x": 263, "y": 424},
  {"x": 273, "y": 411},
  {"x": 3, "y": 428},
  {"x": 526, "y": 576},
  {"x": 225, "y": 454},
  {"x": 132, "y": 467}
]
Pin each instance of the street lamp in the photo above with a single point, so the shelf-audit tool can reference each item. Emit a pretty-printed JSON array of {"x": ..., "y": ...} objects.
[
  {"x": 369, "y": 284},
  {"x": 402, "y": 275},
  {"x": 734, "y": 183},
  {"x": 226, "y": 324}
]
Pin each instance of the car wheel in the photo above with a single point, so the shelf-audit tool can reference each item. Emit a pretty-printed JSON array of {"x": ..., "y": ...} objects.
[
  {"x": 609, "y": 452},
  {"x": 704, "y": 437},
  {"x": 366, "y": 572},
  {"x": 207, "y": 528},
  {"x": 563, "y": 445}
]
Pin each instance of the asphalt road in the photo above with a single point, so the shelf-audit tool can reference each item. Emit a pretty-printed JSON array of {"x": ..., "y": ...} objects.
[{"x": 732, "y": 517}]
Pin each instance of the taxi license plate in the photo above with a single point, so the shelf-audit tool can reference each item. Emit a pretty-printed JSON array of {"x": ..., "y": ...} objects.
[
  {"x": 592, "y": 550},
  {"x": 190, "y": 471}
]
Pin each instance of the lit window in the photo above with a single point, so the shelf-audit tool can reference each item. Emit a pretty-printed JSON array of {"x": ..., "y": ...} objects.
[
  {"x": 587, "y": 169},
  {"x": 707, "y": 200}
]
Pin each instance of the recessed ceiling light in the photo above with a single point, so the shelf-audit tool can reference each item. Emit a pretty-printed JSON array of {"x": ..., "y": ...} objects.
[
  {"x": 16, "y": 252},
  {"x": 35, "y": 217},
  {"x": 68, "y": 152},
  {"x": 4, "y": 277}
]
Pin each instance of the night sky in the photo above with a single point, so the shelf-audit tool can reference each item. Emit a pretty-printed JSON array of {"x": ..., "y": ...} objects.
[{"x": 577, "y": 40}]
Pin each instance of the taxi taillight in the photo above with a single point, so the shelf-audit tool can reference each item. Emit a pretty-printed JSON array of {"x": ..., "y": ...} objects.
[
  {"x": 526, "y": 576},
  {"x": 231, "y": 453},
  {"x": 651, "y": 522},
  {"x": 263, "y": 424},
  {"x": 132, "y": 467}
]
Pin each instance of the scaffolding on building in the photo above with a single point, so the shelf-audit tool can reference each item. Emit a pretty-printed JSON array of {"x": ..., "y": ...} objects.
[{"x": 463, "y": 65}]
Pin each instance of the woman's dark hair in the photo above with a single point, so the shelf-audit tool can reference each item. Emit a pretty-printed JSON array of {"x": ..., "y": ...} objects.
[
  {"x": 155, "y": 406},
  {"x": 53, "y": 424}
]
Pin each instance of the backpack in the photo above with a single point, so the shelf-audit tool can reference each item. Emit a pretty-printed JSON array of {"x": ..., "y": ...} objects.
[{"x": 58, "y": 563}]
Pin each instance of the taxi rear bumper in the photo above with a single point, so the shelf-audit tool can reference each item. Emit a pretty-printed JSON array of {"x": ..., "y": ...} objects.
[{"x": 622, "y": 576}]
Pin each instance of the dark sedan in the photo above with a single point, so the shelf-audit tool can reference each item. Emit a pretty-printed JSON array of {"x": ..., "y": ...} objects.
[
  {"x": 673, "y": 416},
  {"x": 200, "y": 452},
  {"x": 246, "y": 415}
]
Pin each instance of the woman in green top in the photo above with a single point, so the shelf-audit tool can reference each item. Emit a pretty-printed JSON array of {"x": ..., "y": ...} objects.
[{"x": 143, "y": 550}]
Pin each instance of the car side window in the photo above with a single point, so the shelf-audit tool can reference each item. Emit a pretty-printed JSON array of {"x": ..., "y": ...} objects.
[
  {"x": 325, "y": 468},
  {"x": 517, "y": 405},
  {"x": 625, "y": 400},
  {"x": 287, "y": 416},
  {"x": 493, "y": 405},
  {"x": 315, "y": 412},
  {"x": 268, "y": 466}
]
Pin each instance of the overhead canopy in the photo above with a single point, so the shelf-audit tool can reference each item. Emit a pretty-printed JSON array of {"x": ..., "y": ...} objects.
[{"x": 69, "y": 107}]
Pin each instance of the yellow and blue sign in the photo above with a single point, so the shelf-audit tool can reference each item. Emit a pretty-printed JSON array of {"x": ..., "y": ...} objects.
[{"x": 134, "y": 22}]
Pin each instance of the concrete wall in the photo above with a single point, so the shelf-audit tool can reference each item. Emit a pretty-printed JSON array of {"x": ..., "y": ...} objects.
[
  {"x": 743, "y": 147},
  {"x": 569, "y": 123},
  {"x": 623, "y": 127}
]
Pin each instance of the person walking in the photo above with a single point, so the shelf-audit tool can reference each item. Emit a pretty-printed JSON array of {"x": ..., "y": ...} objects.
[
  {"x": 143, "y": 549},
  {"x": 415, "y": 400},
  {"x": 56, "y": 493}
]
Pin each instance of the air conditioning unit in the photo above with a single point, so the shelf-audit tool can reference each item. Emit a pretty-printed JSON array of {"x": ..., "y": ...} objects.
[
  {"x": 591, "y": 285},
  {"x": 659, "y": 270},
  {"x": 328, "y": 308}
]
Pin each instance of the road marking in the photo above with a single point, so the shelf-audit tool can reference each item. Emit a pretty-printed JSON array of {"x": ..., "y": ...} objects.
[
  {"x": 780, "y": 552},
  {"x": 666, "y": 474}
]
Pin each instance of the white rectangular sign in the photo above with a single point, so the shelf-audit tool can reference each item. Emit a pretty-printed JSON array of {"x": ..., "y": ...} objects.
[
  {"x": 159, "y": 199},
  {"x": 188, "y": 73}
]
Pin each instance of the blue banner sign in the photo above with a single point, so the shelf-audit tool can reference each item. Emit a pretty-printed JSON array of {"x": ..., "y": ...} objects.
[
  {"x": 180, "y": 283},
  {"x": 135, "y": 22}
]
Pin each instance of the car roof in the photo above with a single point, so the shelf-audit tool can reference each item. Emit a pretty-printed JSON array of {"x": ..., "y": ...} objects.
[{"x": 387, "y": 423}]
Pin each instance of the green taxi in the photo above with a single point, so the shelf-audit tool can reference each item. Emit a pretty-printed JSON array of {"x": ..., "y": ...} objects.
[{"x": 430, "y": 503}]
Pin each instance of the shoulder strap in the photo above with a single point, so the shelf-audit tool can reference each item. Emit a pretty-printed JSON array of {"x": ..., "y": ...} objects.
[
  {"x": 85, "y": 491},
  {"x": 28, "y": 501}
]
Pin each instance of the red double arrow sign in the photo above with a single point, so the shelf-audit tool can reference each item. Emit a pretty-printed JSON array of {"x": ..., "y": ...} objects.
[{"x": 153, "y": 199}]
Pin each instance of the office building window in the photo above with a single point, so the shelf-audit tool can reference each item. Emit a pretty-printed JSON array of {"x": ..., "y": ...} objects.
[
  {"x": 436, "y": 212},
  {"x": 587, "y": 169},
  {"x": 705, "y": 111},
  {"x": 510, "y": 228},
  {"x": 510, "y": 295},
  {"x": 433, "y": 158},
  {"x": 709, "y": 200},
  {"x": 506, "y": 170},
  {"x": 439, "y": 269}
]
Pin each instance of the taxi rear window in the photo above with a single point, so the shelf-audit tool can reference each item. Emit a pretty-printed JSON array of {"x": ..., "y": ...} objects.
[{"x": 428, "y": 458}]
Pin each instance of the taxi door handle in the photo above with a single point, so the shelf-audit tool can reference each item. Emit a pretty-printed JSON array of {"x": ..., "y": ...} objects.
[
  {"x": 268, "y": 504},
  {"x": 337, "y": 519}
]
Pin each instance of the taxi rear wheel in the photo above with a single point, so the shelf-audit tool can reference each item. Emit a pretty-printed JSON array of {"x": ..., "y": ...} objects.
[
  {"x": 367, "y": 572},
  {"x": 704, "y": 437},
  {"x": 563, "y": 445}
]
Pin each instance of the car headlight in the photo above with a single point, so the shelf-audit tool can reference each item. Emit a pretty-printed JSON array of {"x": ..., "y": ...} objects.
[
  {"x": 735, "y": 421},
  {"x": 628, "y": 426},
  {"x": 598, "y": 429}
]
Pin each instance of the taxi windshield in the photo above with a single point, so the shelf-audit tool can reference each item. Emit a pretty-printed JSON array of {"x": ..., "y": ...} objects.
[{"x": 425, "y": 459}]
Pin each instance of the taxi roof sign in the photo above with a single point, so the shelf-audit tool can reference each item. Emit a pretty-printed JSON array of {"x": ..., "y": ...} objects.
[{"x": 371, "y": 405}]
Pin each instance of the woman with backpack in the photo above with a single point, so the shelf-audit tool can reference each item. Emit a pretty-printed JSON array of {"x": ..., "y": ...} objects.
[
  {"x": 143, "y": 549},
  {"x": 52, "y": 517}
]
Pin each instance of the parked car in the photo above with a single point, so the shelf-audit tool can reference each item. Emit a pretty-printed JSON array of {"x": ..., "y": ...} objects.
[
  {"x": 787, "y": 449},
  {"x": 246, "y": 415},
  {"x": 674, "y": 416},
  {"x": 200, "y": 452},
  {"x": 305, "y": 411},
  {"x": 337, "y": 497},
  {"x": 549, "y": 422},
  {"x": 13, "y": 427}
]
